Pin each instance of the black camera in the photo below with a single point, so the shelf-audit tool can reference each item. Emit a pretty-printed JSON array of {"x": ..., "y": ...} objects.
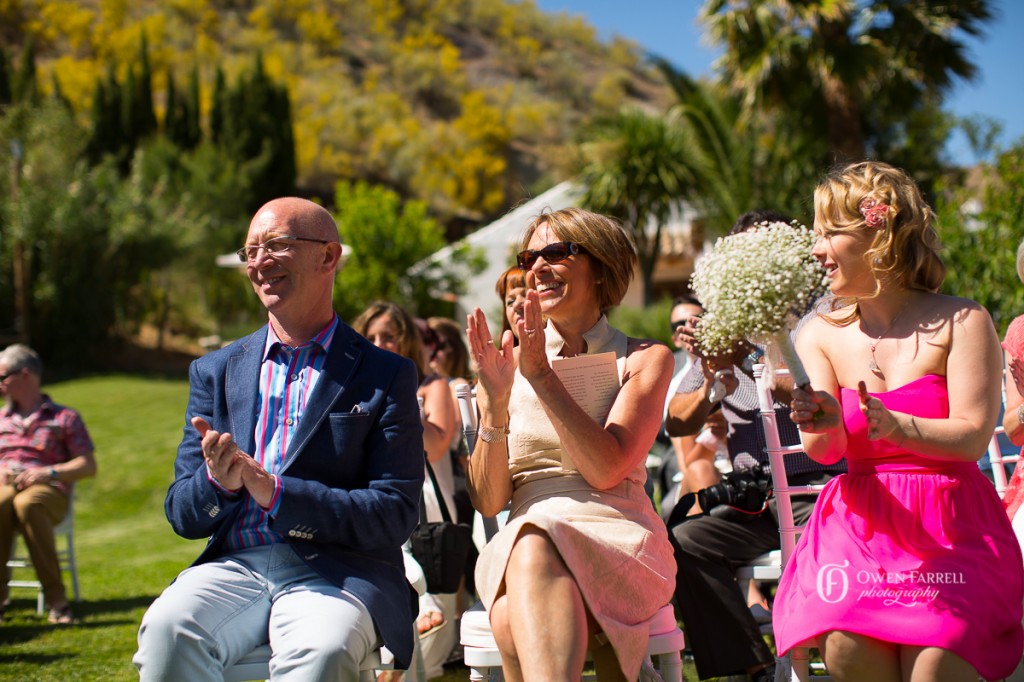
[{"x": 745, "y": 490}]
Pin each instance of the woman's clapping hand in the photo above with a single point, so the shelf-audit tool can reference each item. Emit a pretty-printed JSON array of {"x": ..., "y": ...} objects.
[
  {"x": 533, "y": 359},
  {"x": 496, "y": 366}
]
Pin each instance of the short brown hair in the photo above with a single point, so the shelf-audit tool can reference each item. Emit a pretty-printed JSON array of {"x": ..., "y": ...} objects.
[{"x": 609, "y": 246}]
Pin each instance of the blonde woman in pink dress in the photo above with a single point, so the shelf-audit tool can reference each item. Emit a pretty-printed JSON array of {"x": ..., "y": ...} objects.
[{"x": 908, "y": 568}]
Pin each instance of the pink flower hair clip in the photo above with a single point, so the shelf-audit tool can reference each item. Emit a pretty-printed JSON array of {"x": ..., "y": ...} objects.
[{"x": 874, "y": 212}]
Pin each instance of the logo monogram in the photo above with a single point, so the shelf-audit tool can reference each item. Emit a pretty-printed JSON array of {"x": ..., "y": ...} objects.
[{"x": 833, "y": 584}]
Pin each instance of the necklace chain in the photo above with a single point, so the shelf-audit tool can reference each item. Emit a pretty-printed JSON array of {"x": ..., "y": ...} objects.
[{"x": 873, "y": 364}]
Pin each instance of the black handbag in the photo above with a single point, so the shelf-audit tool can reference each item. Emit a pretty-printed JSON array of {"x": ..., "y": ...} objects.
[{"x": 441, "y": 548}]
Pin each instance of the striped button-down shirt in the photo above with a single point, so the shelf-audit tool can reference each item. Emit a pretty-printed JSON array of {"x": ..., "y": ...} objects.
[
  {"x": 745, "y": 436},
  {"x": 287, "y": 377}
]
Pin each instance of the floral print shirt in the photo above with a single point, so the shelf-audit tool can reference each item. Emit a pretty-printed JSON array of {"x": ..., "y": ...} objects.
[{"x": 50, "y": 435}]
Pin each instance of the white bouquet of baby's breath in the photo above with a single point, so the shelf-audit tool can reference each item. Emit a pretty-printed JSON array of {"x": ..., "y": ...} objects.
[{"x": 755, "y": 286}]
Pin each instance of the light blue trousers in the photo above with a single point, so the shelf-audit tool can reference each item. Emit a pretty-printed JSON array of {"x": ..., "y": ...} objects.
[{"x": 215, "y": 613}]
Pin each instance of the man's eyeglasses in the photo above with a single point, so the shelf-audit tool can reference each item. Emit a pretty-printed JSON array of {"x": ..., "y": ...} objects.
[
  {"x": 676, "y": 324},
  {"x": 552, "y": 253},
  {"x": 7, "y": 375},
  {"x": 248, "y": 253}
]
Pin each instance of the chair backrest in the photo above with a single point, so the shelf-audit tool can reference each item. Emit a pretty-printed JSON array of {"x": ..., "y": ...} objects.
[
  {"x": 776, "y": 451},
  {"x": 1000, "y": 453},
  {"x": 998, "y": 459},
  {"x": 464, "y": 393}
]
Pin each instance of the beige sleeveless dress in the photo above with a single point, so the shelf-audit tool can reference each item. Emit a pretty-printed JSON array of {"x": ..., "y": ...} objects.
[{"x": 613, "y": 542}]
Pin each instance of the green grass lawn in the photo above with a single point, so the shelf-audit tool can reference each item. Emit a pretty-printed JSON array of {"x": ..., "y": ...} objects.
[{"x": 125, "y": 549}]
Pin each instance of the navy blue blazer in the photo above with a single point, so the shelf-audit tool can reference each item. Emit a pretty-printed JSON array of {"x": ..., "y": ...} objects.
[{"x": 351, "y": 478}]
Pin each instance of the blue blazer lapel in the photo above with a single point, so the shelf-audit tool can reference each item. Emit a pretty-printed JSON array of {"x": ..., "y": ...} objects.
[
  {"x": 241, "y": 381},
  {"x": 342, "y": 359}
]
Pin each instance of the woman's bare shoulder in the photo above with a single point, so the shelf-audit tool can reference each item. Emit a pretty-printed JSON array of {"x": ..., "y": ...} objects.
[
  {"x": 937, "y": 312},
  {"x": 825, "y": 324},
  {"x": 647, "y": 351}
]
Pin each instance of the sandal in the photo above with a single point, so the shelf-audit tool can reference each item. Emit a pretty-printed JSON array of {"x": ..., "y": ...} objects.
[
  {"x": 432, "y": 627},
  {"x": 61, "y": 616}
]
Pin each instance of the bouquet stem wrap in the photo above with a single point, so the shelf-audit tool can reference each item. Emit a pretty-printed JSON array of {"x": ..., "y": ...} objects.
[{"x": 796, "y": 367}]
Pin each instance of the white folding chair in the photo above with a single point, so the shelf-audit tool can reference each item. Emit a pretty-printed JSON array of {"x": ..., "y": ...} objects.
[
  {"x": 998, "y": 459},
  {"x": 999, "y": 453},
  {"x": 795, "y": 665},
  {"x": 466, "y": 396},
  {"x": 64, "y": 538},
  {"x": 256, "y": 666},
  {"x": 480, "y": 652}
]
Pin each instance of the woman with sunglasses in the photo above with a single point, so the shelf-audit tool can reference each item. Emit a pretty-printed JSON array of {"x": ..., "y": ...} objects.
[{"x": 584, "y": 560}]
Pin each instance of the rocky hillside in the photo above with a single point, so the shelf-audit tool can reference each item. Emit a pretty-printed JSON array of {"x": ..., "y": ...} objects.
[{"x": 469, "y": 105}]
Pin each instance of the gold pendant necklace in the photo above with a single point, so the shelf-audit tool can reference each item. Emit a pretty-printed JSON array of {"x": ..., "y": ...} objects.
[{"x": 873, "y": 364}]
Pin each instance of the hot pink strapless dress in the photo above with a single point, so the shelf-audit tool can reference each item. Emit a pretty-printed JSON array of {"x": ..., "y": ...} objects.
[{"x": 907, "y": 549}]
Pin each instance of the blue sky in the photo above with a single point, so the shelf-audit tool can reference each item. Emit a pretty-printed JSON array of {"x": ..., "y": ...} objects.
[{"x": 669, "y": 28}]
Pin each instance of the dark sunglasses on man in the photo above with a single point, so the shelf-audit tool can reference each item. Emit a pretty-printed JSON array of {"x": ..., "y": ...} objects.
[{"x": 552, "y": 253}]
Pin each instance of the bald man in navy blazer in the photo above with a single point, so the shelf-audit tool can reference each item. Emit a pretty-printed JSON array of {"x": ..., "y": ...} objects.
[{"x": 302, "y": 462}]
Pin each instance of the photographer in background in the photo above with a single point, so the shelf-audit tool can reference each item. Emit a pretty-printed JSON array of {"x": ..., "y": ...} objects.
[{"x": 721, "y": 630}]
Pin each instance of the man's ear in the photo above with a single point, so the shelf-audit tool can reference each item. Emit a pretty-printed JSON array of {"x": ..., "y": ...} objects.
[{"x": 332, "y": 257}]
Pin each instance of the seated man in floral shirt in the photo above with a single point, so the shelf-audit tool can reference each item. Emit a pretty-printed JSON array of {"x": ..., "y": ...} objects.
[{"x": 44, "y": 448}]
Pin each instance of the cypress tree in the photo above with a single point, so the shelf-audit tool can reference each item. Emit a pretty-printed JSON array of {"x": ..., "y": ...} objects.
[
  {"x": 105, "y": 135},
  {"x": 190, "y": 112},
  {"x": 129, "y": 111},
  {"x": 217, "y": 110},
  {"x": 26, "y": 89},
  {"x": 173, "y": 124},
  {"x": 283, "y": 161},
  {"x": 144, "y": 115},
  {"x": 58, "y": 93},
  {"x": 95, "y": 148},
  {"x": 5, "y": 79}
]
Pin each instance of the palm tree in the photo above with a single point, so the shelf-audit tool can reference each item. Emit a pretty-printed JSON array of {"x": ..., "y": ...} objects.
[
  {"x": 633, "y": 167},
  {"x": 826, "y": 61},
  {"x": 740, "y": 162}
]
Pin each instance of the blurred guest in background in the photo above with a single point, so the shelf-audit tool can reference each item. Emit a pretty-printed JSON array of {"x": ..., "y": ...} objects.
[
  {"x": 388, "y": 326},
  {"x": 723, "y": 622},
  {"x": 44, "y": 449},
  {"x": 1013, "y": 416},
  {"x": 511, "y": 289}
]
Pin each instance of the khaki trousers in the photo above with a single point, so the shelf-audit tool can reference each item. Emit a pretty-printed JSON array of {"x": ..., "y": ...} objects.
[{"x": 33, "y": 512}]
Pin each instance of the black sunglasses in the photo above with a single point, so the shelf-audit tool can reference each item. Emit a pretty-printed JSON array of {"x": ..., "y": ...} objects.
[
  {"x": 676, "y": 324},
  {"x": 552, "y": 253},
  {"x": 4, "y": 377}
]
